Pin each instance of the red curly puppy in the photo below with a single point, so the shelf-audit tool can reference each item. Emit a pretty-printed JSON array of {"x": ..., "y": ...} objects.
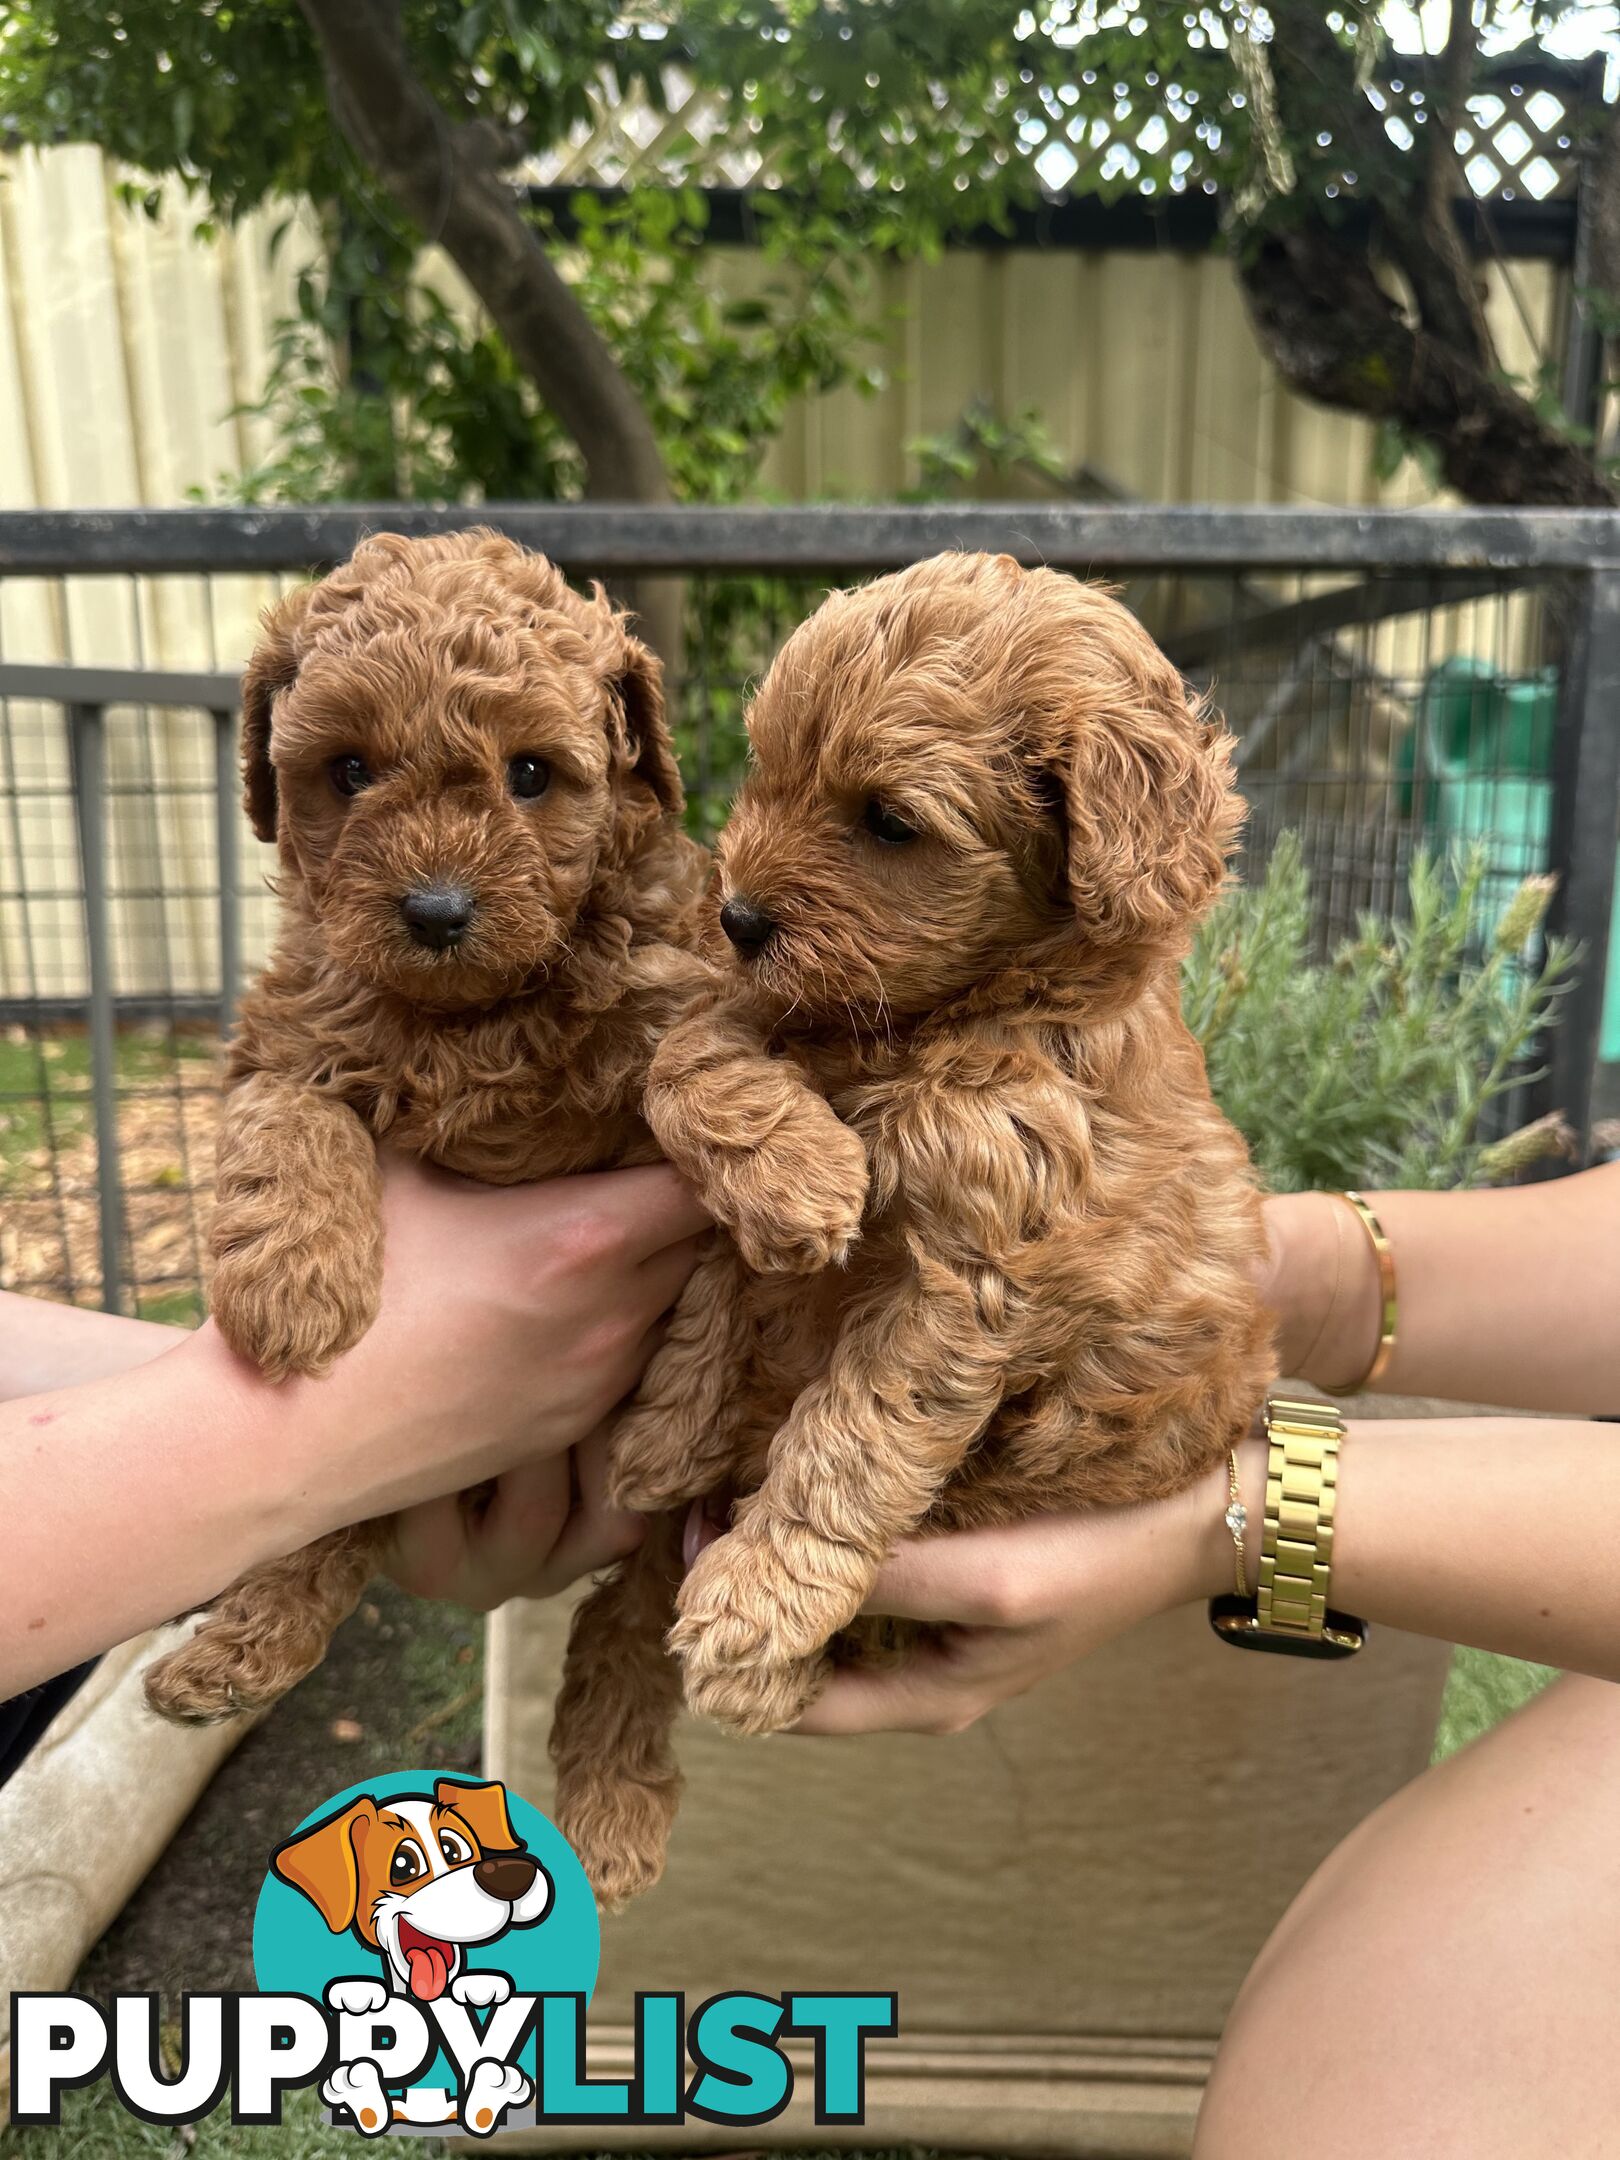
[
  {"x": 489, "y": 918},
  {"x": 982, "y": 818}
]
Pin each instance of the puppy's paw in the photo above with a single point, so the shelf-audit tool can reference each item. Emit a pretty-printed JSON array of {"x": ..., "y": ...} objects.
[
  {"x": 761, "y": 1699},
  {"x": 193, "y": 1685},
  {"x": 291, "y": 1318},
  {"x": 359, "y": 2088},
  {"x": 356, "y": 1998},
  {"x": 751, "y": 1644},
  {"x": 491, "y": 2090},
  {"x": 795, "y": 1205},
  {"x": 480, "y": 1990},
  {"x": 226, "y": 1670},
  {"x": 619, "y": 1830}
]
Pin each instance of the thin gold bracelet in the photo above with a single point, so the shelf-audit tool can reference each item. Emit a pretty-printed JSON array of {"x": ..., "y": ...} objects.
[
  {"x": 1236, "y": 1520},
  {"x": 1384, "y": 1254}
]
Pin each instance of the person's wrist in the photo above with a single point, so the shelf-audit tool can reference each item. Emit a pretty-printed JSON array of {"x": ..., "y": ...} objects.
[
  {"x": 1212, "y": 1554},
  {"x": 1322, "y": 1286},
  {"x": 280, "y": 1442}
]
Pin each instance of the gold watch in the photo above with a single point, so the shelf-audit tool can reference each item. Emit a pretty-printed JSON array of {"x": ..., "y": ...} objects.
[{"x": 1290, "y": 1612}]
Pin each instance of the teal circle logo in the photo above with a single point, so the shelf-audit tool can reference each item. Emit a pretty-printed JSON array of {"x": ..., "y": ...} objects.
[{"x": 419, "y": 1881}]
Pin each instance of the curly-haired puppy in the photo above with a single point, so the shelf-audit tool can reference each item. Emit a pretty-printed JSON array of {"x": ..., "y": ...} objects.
[
  {"x": 489, "y": 916},
  {"x": 981, "y": 819}
]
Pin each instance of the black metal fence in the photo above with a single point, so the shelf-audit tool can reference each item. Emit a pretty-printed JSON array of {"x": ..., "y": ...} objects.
[{"x": 1397, "y": 681}]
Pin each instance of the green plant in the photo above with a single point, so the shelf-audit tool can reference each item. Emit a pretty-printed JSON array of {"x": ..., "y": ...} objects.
[
  {"x": 380, "y": 389},
  {"x": 1377, "y": 1065},
  {"x": 981, "y": 444}
]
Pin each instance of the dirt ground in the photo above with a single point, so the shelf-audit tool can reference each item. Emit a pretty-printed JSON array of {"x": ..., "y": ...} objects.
[{"x": 402, "y": 1687}]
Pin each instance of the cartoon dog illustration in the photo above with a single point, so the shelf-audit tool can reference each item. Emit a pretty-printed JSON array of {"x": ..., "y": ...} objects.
[{"x": 418, "y": 1878}]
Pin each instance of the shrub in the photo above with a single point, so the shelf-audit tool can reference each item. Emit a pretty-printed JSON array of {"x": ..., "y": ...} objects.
[{"x": 1377, "y": 1066}]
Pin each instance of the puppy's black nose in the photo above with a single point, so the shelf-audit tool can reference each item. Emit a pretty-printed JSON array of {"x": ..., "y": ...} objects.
[
  {"x": 437, "y": 915},
  {"x": 505, "y": 1875},
  {"x": 749, "y": 928}
]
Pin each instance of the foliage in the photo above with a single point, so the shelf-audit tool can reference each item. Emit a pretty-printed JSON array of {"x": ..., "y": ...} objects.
[
  {"x": 982, "y": 445},
  {"x": 1377, "y": 1066},
  {"x": 890, "y": 127},
  {"x": 430, "y": 405},
  {"x": 229, "y": 94}
]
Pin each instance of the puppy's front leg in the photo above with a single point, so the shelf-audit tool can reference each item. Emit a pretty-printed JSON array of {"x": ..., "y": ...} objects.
[
  {"x": 912, "y": 1384},
  {"x": 297, "y": 1246},
  {"x": 297, "y": 1229},
  {"x": 677, "y": 1438},
  {"x": 770, "y": 1157}
]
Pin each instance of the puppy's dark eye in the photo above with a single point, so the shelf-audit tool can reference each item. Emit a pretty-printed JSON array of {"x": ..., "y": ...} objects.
[
  {"x": 349, "y": 773},
  {"x": 528, "y": 776},
  {"x": 406, "y": 1864},
  {"x": 886, "y": 825},
  {"x": 455, "y": 1849}
]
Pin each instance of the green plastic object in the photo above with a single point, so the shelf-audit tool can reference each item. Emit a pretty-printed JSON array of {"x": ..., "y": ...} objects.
[{"x": 1476, "y": 765}]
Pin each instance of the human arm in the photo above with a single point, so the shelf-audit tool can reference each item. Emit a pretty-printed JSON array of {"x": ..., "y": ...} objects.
[
  {"x": 46, "y": 1345},
  {"x": 1496, "y": 1532},
  {"x": 1504, "y": 1297},
  {"x": 513, "y": 1318}
]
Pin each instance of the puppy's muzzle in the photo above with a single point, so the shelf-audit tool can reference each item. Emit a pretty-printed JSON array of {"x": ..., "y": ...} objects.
[
  {"x": 438, "y": 916},
  {"x": 506, "y": 1876},
  {"x": 749, "y": 928}
]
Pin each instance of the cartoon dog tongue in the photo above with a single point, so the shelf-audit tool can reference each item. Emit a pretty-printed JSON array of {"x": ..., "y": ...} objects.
[{"x": 429, "y": 1964}]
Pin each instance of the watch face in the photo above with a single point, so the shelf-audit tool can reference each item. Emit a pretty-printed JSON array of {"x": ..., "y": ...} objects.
[{"x": 1235, "y": 1621}]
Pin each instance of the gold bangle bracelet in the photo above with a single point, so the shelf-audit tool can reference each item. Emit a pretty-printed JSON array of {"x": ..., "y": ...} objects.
[{"x": 1383, "y": 1253}]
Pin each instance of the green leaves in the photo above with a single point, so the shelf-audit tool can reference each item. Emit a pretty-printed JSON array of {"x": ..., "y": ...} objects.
[{"x": 1378, "y": 1065}]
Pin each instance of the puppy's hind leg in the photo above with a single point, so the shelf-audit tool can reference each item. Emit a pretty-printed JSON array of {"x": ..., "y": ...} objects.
[
  {"x": 618, "y": 1784},
  {"x": 677, "y": 1439},
  {"x": 268, "y": 1631}
]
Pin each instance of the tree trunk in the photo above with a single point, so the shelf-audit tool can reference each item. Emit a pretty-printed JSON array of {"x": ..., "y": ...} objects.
[
  {"x": 1336, "y": 335},
  {"x": 447, "y": 179}
]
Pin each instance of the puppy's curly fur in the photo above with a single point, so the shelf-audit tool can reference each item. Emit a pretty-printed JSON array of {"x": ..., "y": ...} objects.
[
  {"x": 385, "y": 712},
  {"x": 982, "y": 818}
]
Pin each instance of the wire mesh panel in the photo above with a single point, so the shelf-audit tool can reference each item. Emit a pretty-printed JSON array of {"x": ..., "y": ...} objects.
[{"x": 1382, "y": 712}]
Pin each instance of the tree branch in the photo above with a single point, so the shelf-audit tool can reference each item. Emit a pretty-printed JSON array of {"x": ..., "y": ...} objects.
[
  {"x": 1315, "y": 74},
  {"x": 447, "y": 181},
  {"x": 1601, "y": 208},
  {"x": 1336, "y": 335}
]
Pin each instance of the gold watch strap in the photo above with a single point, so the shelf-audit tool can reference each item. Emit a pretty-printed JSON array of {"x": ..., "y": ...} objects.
[
  {"x": 1302, "y": 1484},
  {"x": 1291, "y": 1610}
]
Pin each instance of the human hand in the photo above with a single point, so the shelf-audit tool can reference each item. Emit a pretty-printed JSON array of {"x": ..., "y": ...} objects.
[
  {"x": 542, "y": 1526},
  {"x": 1023, "y": 1601},
  {"x": 513, "y": 1318}
]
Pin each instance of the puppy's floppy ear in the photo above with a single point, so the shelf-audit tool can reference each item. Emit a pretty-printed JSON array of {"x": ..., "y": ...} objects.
[
  {"x": 1142, "y": 776},
  {"x": 323, "y": 1862},
  {"x": 483, "y": 1809},
  {"x": 272, "y": 668},
  {"x": 637, "y": 698}
]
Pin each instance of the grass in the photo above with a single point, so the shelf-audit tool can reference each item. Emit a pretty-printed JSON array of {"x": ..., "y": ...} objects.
[
  {"x": 95, "y": 2127},
  {"x": 1481, "y": 1690},
  {"x": 45, "y": 1086},
  {"x": 49, "y": 1183}
]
